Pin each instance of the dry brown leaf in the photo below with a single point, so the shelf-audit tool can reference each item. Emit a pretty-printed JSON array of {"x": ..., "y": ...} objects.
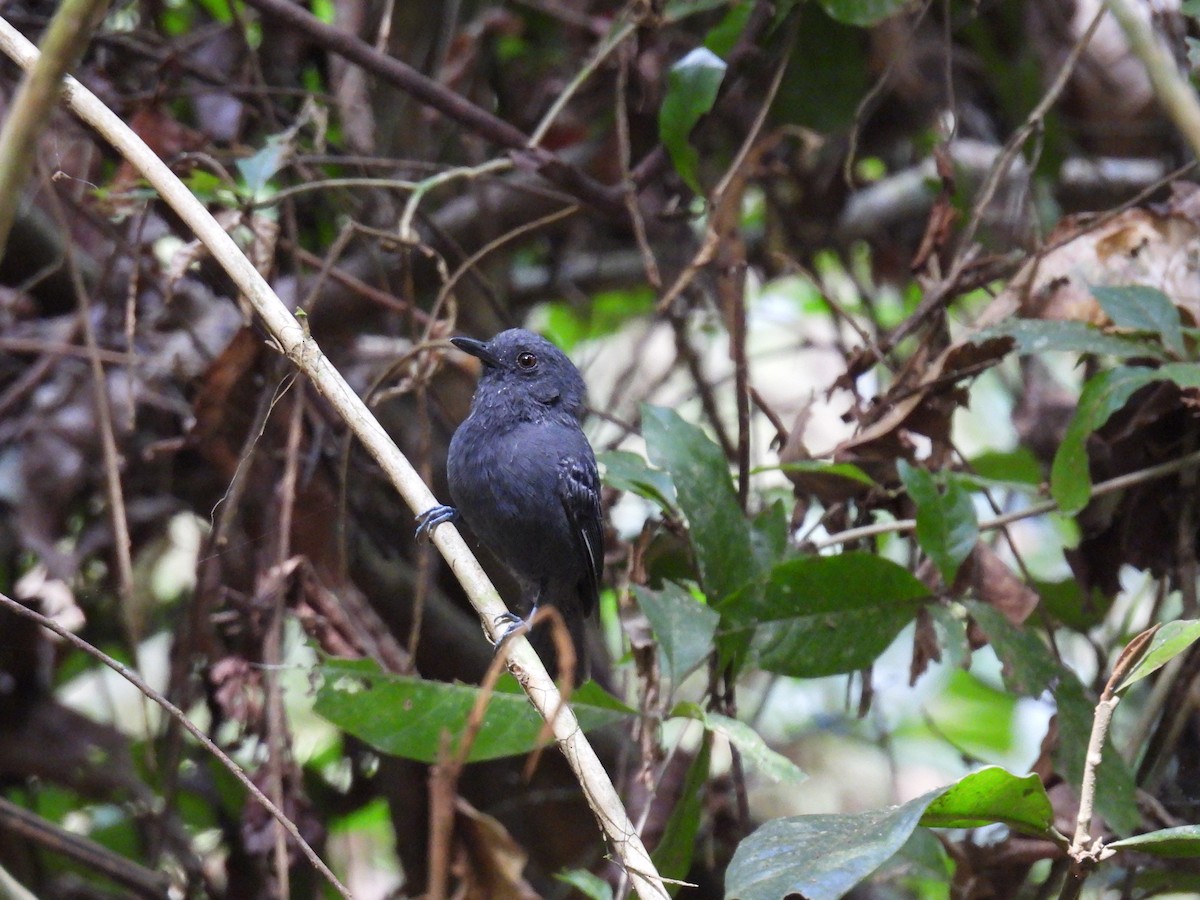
[
  {"x": 487, "y": 861},
  {"x": 926, "y": 648},
  {"x": 992, "y": 581},
  {"x": 1152, "y": 246}
]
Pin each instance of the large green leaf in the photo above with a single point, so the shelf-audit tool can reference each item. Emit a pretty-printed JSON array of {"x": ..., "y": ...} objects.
[
  {"x": 822, "y": 857},
  {"x": 823, "y": 615},
  {"x": 673, "y": 855},
  {"x": 995, "y": 795},
  {"x": 1030, "y": 669},
  {"x": 718, "y": 531},
  {"x": 1173, "y": 843},
  {"x": 947, "y": 528},
  {"x": 827, "y": 75},
  {"x": 1070, "y": 480},
  {"x": 1168, "y": 642},
  {"x": 406, "y": 716},
  {"x": 1141, "y": 308},
  {"x": 1035, "y": 336},
  {"x": 819, "y": 857},
  {"x": 692, "y": 86},
  {"x": 627, "y": 471},
  {"x": 749, "y": 743},
  {"x": 683, "y": 625}
]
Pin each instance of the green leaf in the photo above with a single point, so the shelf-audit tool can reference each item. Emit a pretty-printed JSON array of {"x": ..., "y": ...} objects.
[
  {"x": 1036, "y": 336},
  {"x": 848, "y": 471},
  {"x": 717, "y": 529},
  {"x": 769, "y": 531},
  {"x": 974, "y": 716},
  {"x": 627, "y": 471},
  {"x": 1172, "y": 843},
  {"x": 591, "y": 886},
  {"x": 673, "y": 855},
  {"x": 753, "y": 748},
  {"x": 1030, "y": 669},
  {"x": 1017, "y": 466},
  {"x": 947, "y": 528},
  {"x": 1141, "y": 308},
  {"x": 258, "y": 170},
  {"x": 692, "y": 86},
  {"x": 722, "y": 38},
  {"x": 819, "y": 857},
  {"x": 826, "y": 77},
  {"x": 1168, "y": 642},
  {"x": 862, "y": 12},
  {"x": 995, "y": 795},
  {"x": 1070, "y": 480},
  {"x": 823, "y": 615},
  {"x": 406, "y": 716},
  {"x": 683, "y": 625},
  {"x": 567, "y": 323},
  {"x": 1067, "y": 602}
]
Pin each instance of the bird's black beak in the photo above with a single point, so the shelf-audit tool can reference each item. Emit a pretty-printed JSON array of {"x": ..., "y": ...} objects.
[{"x": 478, "y": 349}]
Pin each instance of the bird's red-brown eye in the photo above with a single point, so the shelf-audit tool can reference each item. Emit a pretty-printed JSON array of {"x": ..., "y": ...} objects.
[{"x": 527, "y": 361}]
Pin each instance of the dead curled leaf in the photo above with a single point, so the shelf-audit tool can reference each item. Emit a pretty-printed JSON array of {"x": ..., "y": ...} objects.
[
  {"x": 991, "y": 580},
  {"x": 488, "y": 862},
  {"x": 1152, "y": 245}
]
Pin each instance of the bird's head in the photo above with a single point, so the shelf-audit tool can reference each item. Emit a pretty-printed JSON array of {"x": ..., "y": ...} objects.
[{"x": 524, "y": 368}]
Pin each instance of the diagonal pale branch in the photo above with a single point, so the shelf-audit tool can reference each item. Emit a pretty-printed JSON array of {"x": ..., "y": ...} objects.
[
  {"x": 1171, "y": 87},
  {"x": 292, "y": 339},
  {"x": 28, "y": 114}
]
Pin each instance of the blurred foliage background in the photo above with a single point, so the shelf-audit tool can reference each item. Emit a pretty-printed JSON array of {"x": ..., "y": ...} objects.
[{"x": 888, "y": 314}]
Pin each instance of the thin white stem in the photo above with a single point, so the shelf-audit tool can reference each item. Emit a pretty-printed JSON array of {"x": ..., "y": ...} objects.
[
  {"x": 1037, "y": 509},
  {"x": 1081, "y": 844}
]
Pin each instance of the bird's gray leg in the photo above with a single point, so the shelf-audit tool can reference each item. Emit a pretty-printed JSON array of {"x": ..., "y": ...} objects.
[
  {"x": 431, "y": 519},
  {"x": 516, "y": 624}
]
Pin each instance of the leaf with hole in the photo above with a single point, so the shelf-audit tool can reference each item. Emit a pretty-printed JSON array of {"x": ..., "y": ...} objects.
[
  {"x": 993, "y": 795},
  {"x": 407, "y": 716}
]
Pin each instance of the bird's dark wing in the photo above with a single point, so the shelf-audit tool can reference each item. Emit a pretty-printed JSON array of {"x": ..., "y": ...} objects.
[{"x": 579, "y": 490}]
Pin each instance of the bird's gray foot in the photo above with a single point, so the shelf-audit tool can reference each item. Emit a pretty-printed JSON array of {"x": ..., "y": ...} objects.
[
  {"x": 516, "y": 625},
  {"x": 432, "y": 518}
]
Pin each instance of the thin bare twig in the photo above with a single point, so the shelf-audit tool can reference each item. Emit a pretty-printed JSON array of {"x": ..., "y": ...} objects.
[
  {"x": 29, "y": 112},
  {"x": 181, "y": 717},
  {"x": 1172, "y": 89},
  {"x": 618, "y": 36},
  {"x": 1121, "y": 482},
  {"x": 429, "y": 92},
  {"x": 940, "y": 293},
  {"x": 471, "y": 261}
]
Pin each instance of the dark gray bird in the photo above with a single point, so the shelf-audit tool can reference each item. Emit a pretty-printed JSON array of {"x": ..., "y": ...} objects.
[{"x": 523, "y": 476}]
